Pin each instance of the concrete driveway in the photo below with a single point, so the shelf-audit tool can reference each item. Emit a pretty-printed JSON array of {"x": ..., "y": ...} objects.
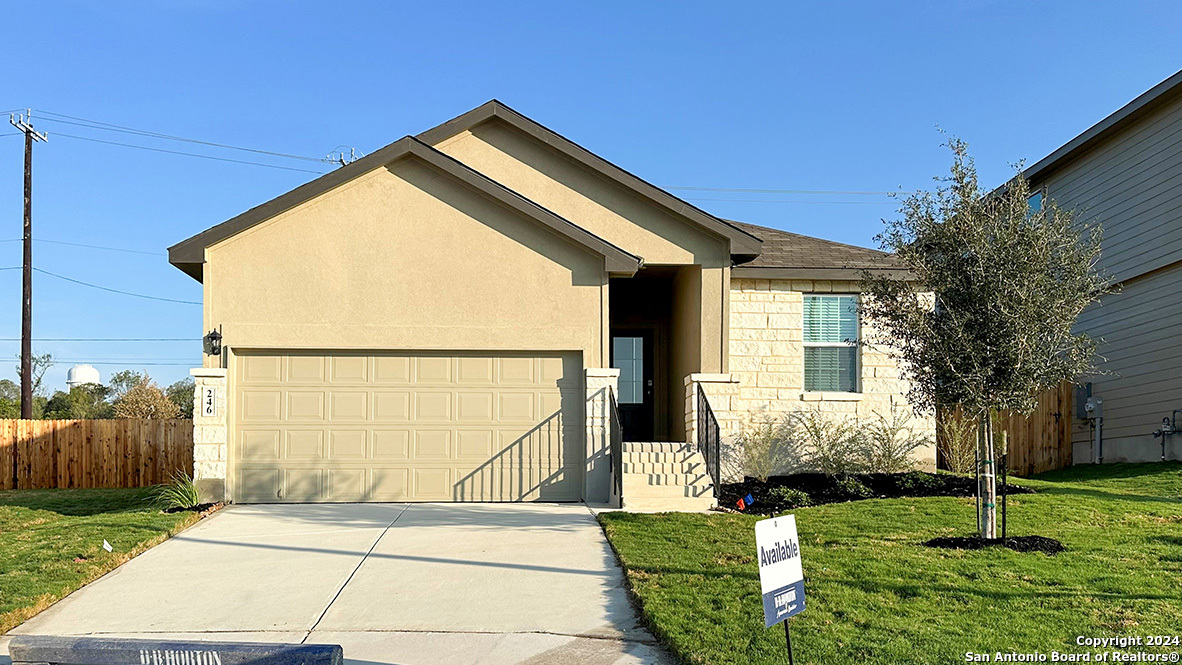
[{"x": 391, "y": 583}]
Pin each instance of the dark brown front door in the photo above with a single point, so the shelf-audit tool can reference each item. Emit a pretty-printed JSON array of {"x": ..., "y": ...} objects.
[{"x": 632, "y": 354}]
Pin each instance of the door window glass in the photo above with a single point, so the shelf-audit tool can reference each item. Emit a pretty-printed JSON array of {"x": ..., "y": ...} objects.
[{"x": 628, "y": 357}]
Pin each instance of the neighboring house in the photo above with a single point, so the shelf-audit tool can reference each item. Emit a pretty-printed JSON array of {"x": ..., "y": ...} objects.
[
  {"x": 447, "y": 319},
  {"x": 1126, "y": 174}
]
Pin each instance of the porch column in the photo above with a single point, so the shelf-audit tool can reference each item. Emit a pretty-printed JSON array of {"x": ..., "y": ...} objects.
[
  {"x": 597, "y": 472},
  {"x": 722, "y": 391},
  {"x": 209, "y": 432}
]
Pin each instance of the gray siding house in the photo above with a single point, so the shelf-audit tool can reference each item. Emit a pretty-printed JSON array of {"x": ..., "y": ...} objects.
[{"x": 1126, "y": 173}]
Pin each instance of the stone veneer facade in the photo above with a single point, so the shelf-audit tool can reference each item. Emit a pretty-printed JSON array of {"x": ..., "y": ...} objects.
[
  {"x": 209, "y": 436},
  {"x": 767, "y": 363}
]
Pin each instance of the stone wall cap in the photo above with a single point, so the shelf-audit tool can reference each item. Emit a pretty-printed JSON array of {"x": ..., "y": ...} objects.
[
  {"x": 710, "y": 378},
  {"x": 602, "y": 372},
  {"x": 208, "y": 372}
]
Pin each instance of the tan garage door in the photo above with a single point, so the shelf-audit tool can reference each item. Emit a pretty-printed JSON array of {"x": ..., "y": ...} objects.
[{"x": 406, "y": 427}]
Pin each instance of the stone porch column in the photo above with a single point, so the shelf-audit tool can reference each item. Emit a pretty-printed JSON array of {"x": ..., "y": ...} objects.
[
  {"x": 597, "y": 471},
  {"x": 209, "y": 433},
  {"x": 722, "y": 392}
]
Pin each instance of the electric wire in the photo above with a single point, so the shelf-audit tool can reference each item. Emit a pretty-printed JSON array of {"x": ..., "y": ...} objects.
[
  {"x": 78, "y": 244},
  {"x": 104, "y": 288},
  {"x": 105, "y": 339},
  {"x": 749, "y": 190},
  {"x": 106, "y": 126},
  {"x": 187, "y": 154}
]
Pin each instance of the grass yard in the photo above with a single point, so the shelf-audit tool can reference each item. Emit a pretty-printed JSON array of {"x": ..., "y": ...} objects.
[
  {"x": 875, "y": 595},
  {"x": 51, "y": 542}
]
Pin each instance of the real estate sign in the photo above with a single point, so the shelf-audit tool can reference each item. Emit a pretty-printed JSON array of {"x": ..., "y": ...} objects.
[{"x": 781, "y": 577}]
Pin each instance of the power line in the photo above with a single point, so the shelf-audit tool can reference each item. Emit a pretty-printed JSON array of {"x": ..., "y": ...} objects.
[
  {"x": 747, "y": 190},
  {"x": 106, "y": 126},
  {"x": 10, "y": 134},
  {"x": 105, "y": 339},
  {"x": 187, "y": 154},
  {"x": 78, "y": 244},
  {"x": 125, "y": 293},
  {"x": 131, "y": 363}
]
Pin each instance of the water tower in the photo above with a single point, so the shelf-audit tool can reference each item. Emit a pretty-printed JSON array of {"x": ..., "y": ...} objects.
[{"x": 81, "y": 375}]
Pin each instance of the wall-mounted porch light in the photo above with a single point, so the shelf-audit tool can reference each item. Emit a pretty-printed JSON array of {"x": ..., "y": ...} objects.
[{"x": 213, "y": 343}]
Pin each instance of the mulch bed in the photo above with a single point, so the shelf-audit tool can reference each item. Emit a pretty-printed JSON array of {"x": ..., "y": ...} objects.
[
  {"x": 203, "y": 510},
  {"x": 1048, "y": 546},
  {"x": 821, "y": 489}
]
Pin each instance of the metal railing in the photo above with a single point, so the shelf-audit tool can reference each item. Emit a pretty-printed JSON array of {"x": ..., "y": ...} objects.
[
  {"x": 616, "y": 444},
  {"x": 709, "y": 437}
]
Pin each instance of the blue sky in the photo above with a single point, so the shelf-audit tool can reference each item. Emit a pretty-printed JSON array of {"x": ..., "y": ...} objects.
[{"x": 785, "y": 96}]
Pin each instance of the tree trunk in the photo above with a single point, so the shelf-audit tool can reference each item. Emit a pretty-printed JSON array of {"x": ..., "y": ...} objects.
[{"x": 987, "y": 484}]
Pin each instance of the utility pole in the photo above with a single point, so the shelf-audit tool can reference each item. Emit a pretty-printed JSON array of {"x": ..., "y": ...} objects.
[{"x": 24, "y": 123}]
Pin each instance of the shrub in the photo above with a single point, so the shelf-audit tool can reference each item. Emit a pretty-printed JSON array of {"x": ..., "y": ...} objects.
[
  {"x": 890, "y": 440},
  {"x": 764, "y": 447},
  {"x": 179, "y": 493},
  {"x": 917, "y": 483},
  {"x": 145, "y": 400},
  {"x": 787, "y": 498},
  {"x": 834, "y": 447},
  {"x": 852, "y": 487},
  {"x": 957, "y": 442}
]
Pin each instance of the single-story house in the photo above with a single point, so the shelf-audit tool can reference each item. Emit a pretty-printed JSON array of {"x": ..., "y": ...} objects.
[
  {"x": 1125, "y": 173},
  {"x": 487, "y": 311}
]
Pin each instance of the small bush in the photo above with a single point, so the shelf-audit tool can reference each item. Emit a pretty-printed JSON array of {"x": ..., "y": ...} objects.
[
  {"x": 890, "y": 441},
  {"x": 179, "y": 493},
  {"x": 957, "y": 442},
  {"x": 787, "y": 498},
  {"x": 835, "y": 447},
  {"x": 853, "y": 488},
  {"x": 766, "y": 446},
  {"x": 917, "y": 483}
]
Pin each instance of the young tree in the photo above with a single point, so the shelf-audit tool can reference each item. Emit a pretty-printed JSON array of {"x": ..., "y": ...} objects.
[
  {"x": 181, "y": 394},
  {"x": 1008, "y": 282},
  {"x": 87, "y": 401},
  {"x": 145, "y": 400}
]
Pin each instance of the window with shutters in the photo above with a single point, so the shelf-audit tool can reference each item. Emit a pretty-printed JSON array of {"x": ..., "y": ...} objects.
[{"x": 831, "y": 343}]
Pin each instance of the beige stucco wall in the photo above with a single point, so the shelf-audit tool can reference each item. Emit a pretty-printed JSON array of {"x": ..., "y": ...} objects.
[
  {"x": 405, "y": 257},
  {"x": 767, "y": 360},
  {"x": 610, "y": 211}
]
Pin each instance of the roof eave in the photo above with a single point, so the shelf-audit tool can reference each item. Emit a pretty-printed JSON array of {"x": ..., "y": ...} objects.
[
  {"x": 844, "y": 274},
  {"x": 1143, "y": 104}
]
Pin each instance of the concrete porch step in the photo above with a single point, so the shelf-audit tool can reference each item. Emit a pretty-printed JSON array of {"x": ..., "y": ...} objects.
[
  {"x": 667, "y": 491},
  {"x": 690, "y": 466},
  {"x": 670, "y": 479},
  {"x": 658, "y": 447},
  {"x": 659, "y": 505},
  {"x": 663, "y": 458}
]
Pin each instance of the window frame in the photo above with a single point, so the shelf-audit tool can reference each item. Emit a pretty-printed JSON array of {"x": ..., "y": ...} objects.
[{"x": 855, "y": 344}]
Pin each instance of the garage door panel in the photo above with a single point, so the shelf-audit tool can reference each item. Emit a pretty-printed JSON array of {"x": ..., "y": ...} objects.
[
  {"x": 352, "y": 406},
  {"x": 348, "y": 445},
  {"x": 389, "y": 444},
  {"x": 302, "y": 405},
  {"x": 395, "y": 427}
]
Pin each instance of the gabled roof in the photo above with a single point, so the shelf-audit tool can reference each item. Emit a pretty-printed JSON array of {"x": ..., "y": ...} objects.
[
  {"x": 1144, "y": 104},
  {"x": 793, "y": 256},
  {"x": 189, "y": 255},
  {"x": 743, "y": 244}
]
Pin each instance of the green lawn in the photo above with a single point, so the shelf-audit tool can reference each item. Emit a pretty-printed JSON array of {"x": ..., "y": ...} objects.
[
  {"x": 875, "y": 595},
  {"x": 51, "y": 542}
]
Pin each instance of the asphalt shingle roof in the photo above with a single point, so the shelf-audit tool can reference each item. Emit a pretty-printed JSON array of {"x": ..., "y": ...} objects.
[{"x": 782, "y": 249}]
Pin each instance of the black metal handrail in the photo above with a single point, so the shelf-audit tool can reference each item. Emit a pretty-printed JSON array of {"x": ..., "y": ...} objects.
[
  {"x": 709, "y": 437},
  {"x": 616, "y": 444}
]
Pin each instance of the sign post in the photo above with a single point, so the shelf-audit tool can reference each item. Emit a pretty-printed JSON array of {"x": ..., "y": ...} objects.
[{"x": 781, "y": 576}]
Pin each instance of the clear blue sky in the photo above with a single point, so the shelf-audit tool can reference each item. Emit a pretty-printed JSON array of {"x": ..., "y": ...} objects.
[{"x": 778, "y": 95}]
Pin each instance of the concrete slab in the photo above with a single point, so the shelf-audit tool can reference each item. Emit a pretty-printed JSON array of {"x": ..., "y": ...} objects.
[
  {"x": 391, "y": 583},
  {"x": 489, "y": 567}
]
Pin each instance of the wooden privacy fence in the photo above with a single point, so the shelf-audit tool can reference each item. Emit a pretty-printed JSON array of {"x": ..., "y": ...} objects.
[
  {"x": 93, "y": 453},
  {"x": 1038, "y": 442}
]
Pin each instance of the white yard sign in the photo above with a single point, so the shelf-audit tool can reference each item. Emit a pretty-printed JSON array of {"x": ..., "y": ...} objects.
[
  {"x": 209, "y": 401},
  {"x": 781, "y": 577}
]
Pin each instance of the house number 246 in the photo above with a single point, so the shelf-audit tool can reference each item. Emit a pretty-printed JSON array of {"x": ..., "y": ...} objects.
[{"x": 209, "y": 401}]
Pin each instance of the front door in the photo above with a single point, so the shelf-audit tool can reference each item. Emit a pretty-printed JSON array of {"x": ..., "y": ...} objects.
[{"x": 632, "y": 354}]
